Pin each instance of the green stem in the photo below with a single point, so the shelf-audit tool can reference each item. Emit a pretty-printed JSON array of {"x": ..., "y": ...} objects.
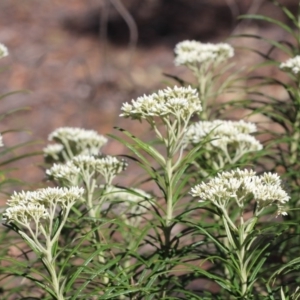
[
  {"x": 241, "y": 252},
  {"x": 70, "y": 155},
  {"x": 90, "y": 183},
  {"x": 295, "y": 140},
  {"x": 49, "y": 261},
  {"x": 298, "y": 24},
  {"x": 239, "y": 248},
  {"x": 202, "y": 91},
  {"x": 169, "y": 191}
]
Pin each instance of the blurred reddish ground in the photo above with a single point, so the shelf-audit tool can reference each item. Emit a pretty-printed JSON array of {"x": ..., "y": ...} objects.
[{"x": 74, "y": 81}]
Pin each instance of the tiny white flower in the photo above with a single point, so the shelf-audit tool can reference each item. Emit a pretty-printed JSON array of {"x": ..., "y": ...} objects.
[
  {"x": 110, "y": 166},
  {"x": 66, "y": 171},
  {"x": 271, "y": 179},
  {"x": 292, "y": 65},
  {"x": 46, "y": 196},
  {"x": 3, "y": 51},
  {"x": 243, "y": 126},
  {"x": 107, "y": 166},
  {"x": 1, "y": 140},
  {"x": 24, "y": 214},
  {"x": 53, "y": 151},
  {"x": 64, "y": 197},
  {"x": 23, "y": 197},
  {"x": 85, "y": 162},
  {"x": 73, "y": 194}
]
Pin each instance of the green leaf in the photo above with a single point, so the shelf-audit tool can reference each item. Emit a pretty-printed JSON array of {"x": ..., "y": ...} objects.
[
  {"x": 3, "y": 96},
  {"x": 277, "y": 45},
  {"x": 269, "y": 20},
  {"x": 139, "y": 144}
]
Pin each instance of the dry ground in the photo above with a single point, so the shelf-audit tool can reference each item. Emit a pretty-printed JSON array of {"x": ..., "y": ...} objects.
[{"x": 75, "y": 79}]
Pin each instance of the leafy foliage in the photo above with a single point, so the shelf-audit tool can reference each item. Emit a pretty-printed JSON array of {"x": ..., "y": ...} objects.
[{"x": 203, "y": 230}]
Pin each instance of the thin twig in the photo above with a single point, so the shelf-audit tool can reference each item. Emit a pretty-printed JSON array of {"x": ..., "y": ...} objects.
[
  {"x": 133, "y": 30},
  {"x": 253, "y": 9},
  {"x": 104, "y": 13},
  {"x": 234, "y": 9}
]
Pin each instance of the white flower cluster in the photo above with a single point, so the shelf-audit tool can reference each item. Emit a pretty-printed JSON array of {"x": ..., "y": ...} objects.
[
  {"x": 1, "y": 140},
  {"x": 84, "y": 163},
  {"x": 25, "y": 214},
  {"x": 107, "y": 166},
  {"x": 242, "y": 186},
  {"x": 25, "y": 207},
  {"x": 231, "y": 137},
  {"x": 110, "y": 166},
  {"x": 133, "y": 202},
  {"x": 77, "y": 140},
  {"x": 193, "y": 52},
  {"x": 292, "y": 65},
  {"x": 3, "y": 51},
  {"x": 61, "y": 172},
  {"x": 181, "y": 102},
  {"x": 54, "y": 151}
]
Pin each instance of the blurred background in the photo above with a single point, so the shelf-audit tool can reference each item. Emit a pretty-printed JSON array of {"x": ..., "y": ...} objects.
[{"x": 80, "y": 60}]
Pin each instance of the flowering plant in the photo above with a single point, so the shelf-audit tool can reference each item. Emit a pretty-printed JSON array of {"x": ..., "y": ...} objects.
[
  {"x": 207, "y": 62},
  {"x": 195, "y": 226},
  {"x": 226, "y": 142}
]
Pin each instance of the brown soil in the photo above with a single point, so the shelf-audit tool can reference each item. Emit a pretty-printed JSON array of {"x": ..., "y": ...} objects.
[{"x": 75, "y": 78}]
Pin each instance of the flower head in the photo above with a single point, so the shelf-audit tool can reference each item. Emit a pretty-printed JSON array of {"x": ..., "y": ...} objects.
[
  {"x": 229, "y": 138},
  {"x": 198, "y": 131},
  {"x": 53, "y": 151},
  {"x": 110, "y": 166},
  {"x": 79, "y": 140},
  {"x": 3, "y": 51},
  {"x": 24, "y": 214},
  {"x": 84, "y": 162},
  {"x": 1, "y": 140},
  {"x": 107, "y": 166},
  {"x": 47, "y": 197},
  {"x": 64, "y": 172},
  {"x": 240, "y": 186},
  {"x": 181, "y": 102},
  {"x": 193, "y": 52},
  {"x": 292, "y": 65}
]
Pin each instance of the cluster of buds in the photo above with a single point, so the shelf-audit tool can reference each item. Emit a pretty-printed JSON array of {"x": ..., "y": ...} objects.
[
  {"x": 181, "y": 102},
  {"x": 72, "y": 142},
  {"x": 27, "y": 207},
  {"x": 54, "y": 151},
  {"x": 3, "y": 51},
  {"x": 174, "y": 107},
  {"x": 71, "y": 172},
  {"x": 230, "y": 140},
  {"x": 242, "y": 186},
  {"x": 292, "y": 65},
  {"x": 193, "y": 52}
]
